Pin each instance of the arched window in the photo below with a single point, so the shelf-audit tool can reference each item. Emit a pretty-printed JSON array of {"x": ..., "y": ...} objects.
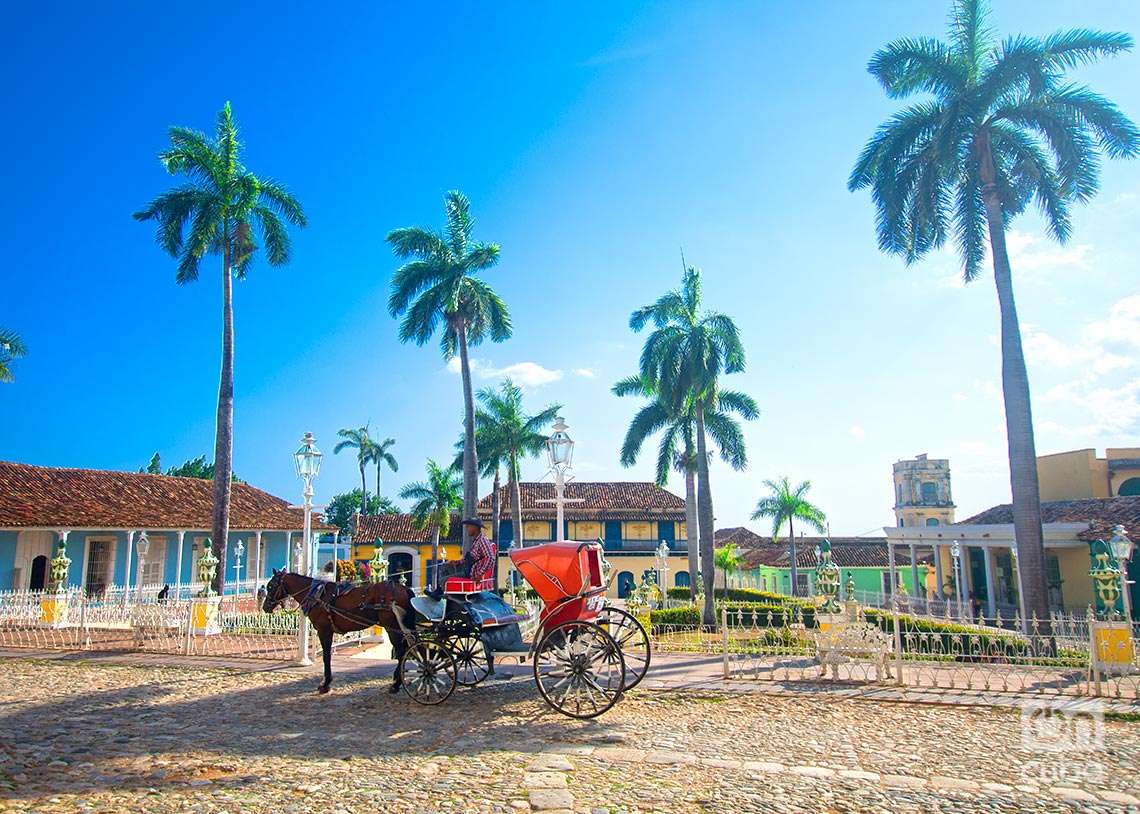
[
  {"x": 1130, "y": 488},
  {"x": 681, "y": 579},
  {"x": 929, "y": 492},
  {"x": 901, "y": 522},
  {"x": 932, "y": 521},
  {"x": 625, "y": 584}
]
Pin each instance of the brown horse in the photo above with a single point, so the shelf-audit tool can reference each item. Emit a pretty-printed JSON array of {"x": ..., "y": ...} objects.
[{"x": 387, "y": 604}]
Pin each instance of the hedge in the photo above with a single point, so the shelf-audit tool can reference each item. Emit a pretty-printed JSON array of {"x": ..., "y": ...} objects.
[
  {"x": 687, "y": 618},
  {"x": 747, "y": 595},
  {"x": 963, "y": 642}
]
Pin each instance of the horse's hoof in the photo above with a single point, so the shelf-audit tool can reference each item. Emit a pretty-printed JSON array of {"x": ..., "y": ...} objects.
[
  {"x": 395, "y": 688},
  {"x": 323, "y": 689}
]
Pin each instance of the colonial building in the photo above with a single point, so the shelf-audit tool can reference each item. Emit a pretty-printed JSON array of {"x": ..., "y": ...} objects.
[
  {"x": 101, "y": 516},
  {"x": 986, "y": 563},
  {"x": 1081, "y": 474},
  {"x": 632, "y": 519},
  {"x": 922, "y": 492},
  {"x": 766, "y": 563}
]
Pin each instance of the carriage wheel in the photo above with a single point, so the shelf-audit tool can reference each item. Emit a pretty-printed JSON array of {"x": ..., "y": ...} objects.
[
  {"x": 427, "y": 671},
  {"x": 579, "y": 669},
  {"x": 470, "y": 659},
  {"x": 631, "y": 639}
]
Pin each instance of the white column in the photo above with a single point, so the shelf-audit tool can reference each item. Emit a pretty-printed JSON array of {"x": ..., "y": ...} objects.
[
  {"x": 178, "y": 565},
  {"x": 127, "y": 568},
  {"x": 991, "y": 598},
  {"x": 256, "y": 563},
  {"x": 891, "y": 568}
]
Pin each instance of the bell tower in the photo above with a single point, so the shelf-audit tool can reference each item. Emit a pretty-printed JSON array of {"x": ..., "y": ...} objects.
[{"x": 922, "y": 492}]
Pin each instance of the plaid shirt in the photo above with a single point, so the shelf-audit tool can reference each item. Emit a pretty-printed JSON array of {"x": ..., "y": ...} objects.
[{"x": 482, "y": 557}]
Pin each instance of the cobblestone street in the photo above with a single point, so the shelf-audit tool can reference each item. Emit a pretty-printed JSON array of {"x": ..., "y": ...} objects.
[{"x": 98, "y": 737}]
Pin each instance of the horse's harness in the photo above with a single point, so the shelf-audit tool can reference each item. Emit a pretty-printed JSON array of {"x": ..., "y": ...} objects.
[{"x": 313, "y": 598}]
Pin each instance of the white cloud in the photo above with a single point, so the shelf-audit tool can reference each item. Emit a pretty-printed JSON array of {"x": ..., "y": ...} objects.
[
  {"x": 960, "y": 397},
  {"x": 1032, "y": 255},
  {"x": 585, "y": 373},
  {"x": 1107, "y": 410},
  {"x": 527, "y": 375},
  {"x": 858, "y": 432}
]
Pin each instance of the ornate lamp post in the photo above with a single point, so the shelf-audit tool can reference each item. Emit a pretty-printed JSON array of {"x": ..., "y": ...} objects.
[
  {"x": 239, "y": 552},
  {"x": 54, "y": 602},
  {"x": 956, "y": 553},
  {"x": 307, "y": 460},
  {"x": 142, "y": 547},
  {"x": 663, "y": 570},
  {"x": 1122, "y": 549},
  {"x": 560, "y": 452},
  {"x": 378, "y": 566},
  {"x": 827, "y": 578}
]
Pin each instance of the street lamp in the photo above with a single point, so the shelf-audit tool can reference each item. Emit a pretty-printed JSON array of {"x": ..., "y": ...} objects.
[
  {"x": 1122, "y": 549},
  {"x": 559, "y": 451},
  {"x": 307, "y": 460},
  {"x": 142, "y": 547},
  {"x": 663, "y": 570},
  {"x": 956, "y": 553},
  {"x": 239, "y": 551}
]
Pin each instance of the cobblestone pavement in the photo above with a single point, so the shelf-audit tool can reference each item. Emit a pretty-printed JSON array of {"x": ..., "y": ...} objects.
[{"x": 90, "y": 737}]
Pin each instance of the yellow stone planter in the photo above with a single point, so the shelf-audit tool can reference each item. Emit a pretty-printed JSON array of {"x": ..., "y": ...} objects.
[
  {"x": 54, "y": 610},
  {"x": 205, "y": 616},
  {"x": 1113, "y": 647}
]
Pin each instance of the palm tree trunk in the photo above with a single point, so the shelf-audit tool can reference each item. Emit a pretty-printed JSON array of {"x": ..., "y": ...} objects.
[
  {"x": 1018, "y": 412},
  {"x": 516, "y": 502},
  {"x": 495, "y": 511},
  {"x": 434, "y": 579},
  {"x": 378, "y": 485},
  {"x": 794, "y": 556},
  {"x": 705, "y": 521},
  {"x": 470, "y": 455},
  {"x": 691, "y": 522},
  {"x": 363, "y": 491},
  {"x": 224, "y": 428}
]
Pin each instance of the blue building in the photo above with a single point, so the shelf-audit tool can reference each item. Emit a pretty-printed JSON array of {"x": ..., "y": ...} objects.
[{"x": 127, "y": 529}]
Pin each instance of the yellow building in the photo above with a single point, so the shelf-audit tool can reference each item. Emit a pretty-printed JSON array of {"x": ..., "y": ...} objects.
[
  {"x": 1081, "y": 474},
  {"x": 631, "y": 518}
]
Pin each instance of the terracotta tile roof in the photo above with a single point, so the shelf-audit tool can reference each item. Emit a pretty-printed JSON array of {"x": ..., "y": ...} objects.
[
  {"x": 46, "y": 497},
  {"x": 398, "y": 528},
  {"x": 1100, "y": 513},
  {"x": 846, "y": 552},
  {"x": 628, "y": 500}
]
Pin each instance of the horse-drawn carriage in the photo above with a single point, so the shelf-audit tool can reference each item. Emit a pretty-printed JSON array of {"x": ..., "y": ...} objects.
[{"x": 585, "y": 653}]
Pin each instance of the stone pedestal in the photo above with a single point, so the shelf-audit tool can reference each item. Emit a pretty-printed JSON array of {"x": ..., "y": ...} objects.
[
  {"x": 826, "y": 621},
  {"x": 54, "y": 610},
  {"x": 205, "y": 615},
  {"x": 1113, "y": 647},
  {"x": 851, "y": 610}
]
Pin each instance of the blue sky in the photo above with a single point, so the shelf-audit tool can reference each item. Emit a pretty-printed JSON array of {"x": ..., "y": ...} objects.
[{"x": 593, "y": 145}]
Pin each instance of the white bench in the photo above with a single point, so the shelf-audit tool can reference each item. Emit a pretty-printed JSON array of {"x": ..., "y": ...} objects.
[{"x": 845, "y": 641}]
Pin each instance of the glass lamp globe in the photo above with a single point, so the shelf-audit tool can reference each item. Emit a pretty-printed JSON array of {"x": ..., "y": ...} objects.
[
  {"x": 559, "y": 445},
  {"x": 1122, "y": 547},
  {"x": 143, "y": 544},
  {"x": 308, "y": 458}
]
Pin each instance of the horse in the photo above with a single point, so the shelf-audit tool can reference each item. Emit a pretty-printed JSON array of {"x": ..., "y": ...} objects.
[{"x": 388, "y": 604}]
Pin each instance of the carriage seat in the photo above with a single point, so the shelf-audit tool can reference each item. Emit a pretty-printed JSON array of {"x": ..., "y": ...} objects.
[
  {"x": 463, "y": 585},
  {"x": 431, "y": 609}
]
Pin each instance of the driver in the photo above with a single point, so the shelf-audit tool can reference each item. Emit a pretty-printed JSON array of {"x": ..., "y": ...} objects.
[{"x": 477, "y": 564}]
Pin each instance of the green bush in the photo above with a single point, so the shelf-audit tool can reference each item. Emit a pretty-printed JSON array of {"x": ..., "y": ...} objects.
[
  {"x": 767, "y": 614},
  {"x": 746, "y": 595},
  {"x": 963, "y": 642},
  {"x": 687, "y": 618}
]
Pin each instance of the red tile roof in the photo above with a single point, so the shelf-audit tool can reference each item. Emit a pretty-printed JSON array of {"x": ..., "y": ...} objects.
[
  {"x": 846, "y": 552},
  {"x": 46, "y": 497},
  {"x": 1100, "y": 513},
  {"x": 398, "y": 528},
  {"x": 616, "y": 500}
]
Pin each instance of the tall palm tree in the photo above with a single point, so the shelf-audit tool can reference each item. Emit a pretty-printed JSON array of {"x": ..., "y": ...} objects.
[
  {"x": 789, "y": 504},
  {"x": 514, "y": 436},
  {"x": 225, "y": 210},
  {"x": 1003, "y": 128},
  {"x": 360, "y": 440},
  {"x": 676, "y": 449},
  {"x": 434, "y": 501},
  {"x": 380, "y": 453},
  {"x": 11, "y": 348},
  {"x": 684, "y": 358},
  {"x": 438, "y": 285},
  {"x": 492, "y": 458}
]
